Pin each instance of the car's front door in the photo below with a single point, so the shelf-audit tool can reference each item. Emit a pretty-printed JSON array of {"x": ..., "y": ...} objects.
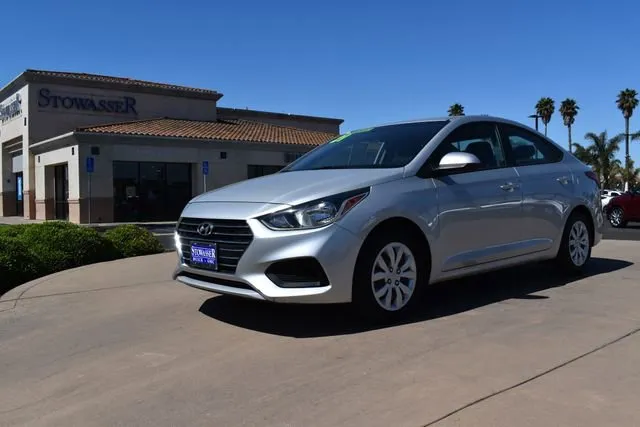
[
  {"x": 547, "y": 185},
  {"x": 478, "y": 211}
]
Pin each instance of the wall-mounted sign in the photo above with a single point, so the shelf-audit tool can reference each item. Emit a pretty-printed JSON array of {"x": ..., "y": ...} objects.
[
  {"x": 11, "y": 109},
  {"x": 119, "y": 105},
  {"x": 19, "y": 188}
]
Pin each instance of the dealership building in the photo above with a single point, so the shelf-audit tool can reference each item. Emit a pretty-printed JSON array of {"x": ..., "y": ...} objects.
[{"x": 92, "y": 148}]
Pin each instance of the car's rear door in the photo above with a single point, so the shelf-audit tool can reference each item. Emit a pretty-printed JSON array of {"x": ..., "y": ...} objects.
[{"x": 547, "y": 185}]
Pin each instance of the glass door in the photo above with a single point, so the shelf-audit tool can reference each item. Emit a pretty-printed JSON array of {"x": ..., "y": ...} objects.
[
  {"x": 19, "y": 195},
  {"x": 61, "y": 191}
]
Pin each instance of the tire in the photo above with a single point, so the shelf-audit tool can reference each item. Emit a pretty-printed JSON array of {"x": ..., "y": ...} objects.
[
  {"x": 616, "y": 218},
  {"x": 575, "y": 249},
  {"x": 403, "y": 288}
]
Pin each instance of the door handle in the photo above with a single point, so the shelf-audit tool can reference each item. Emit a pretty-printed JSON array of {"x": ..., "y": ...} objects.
[
  {"x": 564, "y": 180},
  {"x": 509, "y": 186}
]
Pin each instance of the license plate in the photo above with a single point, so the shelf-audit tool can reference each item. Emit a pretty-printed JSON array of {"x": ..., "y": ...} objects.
[{"x": 204, "y": 255}]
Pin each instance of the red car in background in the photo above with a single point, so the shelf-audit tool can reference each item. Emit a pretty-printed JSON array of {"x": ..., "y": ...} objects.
[{"x": 623, "y": 208}]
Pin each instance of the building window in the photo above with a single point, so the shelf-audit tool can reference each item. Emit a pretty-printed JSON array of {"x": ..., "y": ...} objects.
[
  {"x": 254, "y": 171},
  {"x": 150, "y": 191},
  {"x": 290, "y": 157}
]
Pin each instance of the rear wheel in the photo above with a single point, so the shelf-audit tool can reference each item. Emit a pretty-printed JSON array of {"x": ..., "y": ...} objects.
[
  {"x": 575, "y": 248},
  {"x": 389, "y": 276},
  {"x": 616, "y": 217}
]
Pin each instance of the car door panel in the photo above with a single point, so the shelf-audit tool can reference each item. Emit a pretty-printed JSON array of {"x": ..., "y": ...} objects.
[
  {"x": 547, "y": 192},
  {"x": 548, "y": 185},
  {"x": 478, "y": 219}
]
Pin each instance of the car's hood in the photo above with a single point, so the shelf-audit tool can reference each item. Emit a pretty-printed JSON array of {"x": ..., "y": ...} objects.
[{"x": 292, "y": 188}]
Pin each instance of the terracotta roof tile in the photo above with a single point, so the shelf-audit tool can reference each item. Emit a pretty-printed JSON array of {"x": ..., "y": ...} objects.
[
  {"x": 119, "y": 80},
  {"x": 221, "y": 130}
]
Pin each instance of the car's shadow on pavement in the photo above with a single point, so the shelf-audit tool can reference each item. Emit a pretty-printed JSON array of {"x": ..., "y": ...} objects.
[{"x": 444, "y": 299}]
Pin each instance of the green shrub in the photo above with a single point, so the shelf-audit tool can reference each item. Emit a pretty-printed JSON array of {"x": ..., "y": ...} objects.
[
  {"x": 131, "y": 240},
  {"x": 17, "y": 263},
  {"x": 12, "y": 230},
  {"x": 61, "y": 245},
  {"x": 29, "y": 251}
]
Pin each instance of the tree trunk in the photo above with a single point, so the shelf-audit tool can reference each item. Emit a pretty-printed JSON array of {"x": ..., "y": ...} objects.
[
  {"x": 545, "y": 129},
  {"x": 569, "y": 138},
  {"x": 626, "y": 154}
]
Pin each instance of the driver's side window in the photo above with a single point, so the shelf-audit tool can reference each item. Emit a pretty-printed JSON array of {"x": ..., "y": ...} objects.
[{"x": 479, "y": 139}]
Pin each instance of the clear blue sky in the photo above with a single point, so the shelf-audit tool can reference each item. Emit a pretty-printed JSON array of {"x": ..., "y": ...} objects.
[{"x": 364, "y": 61}]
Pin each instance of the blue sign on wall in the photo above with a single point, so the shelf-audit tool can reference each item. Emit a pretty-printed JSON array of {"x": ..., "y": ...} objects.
[
  {"x": 19, "y": 185},
  {"x": 90, "y": 164},
  {"x": 205, "y": 167}
]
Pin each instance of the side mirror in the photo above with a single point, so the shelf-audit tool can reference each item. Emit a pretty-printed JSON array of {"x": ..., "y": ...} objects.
[{"x": 458, "y": 161}]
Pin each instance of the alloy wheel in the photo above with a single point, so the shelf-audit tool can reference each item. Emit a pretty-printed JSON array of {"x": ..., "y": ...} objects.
[
  {"x": 616, "y": 217},
  {"x": 393, "y": 276},
  {"x": 579, "y": 243}
]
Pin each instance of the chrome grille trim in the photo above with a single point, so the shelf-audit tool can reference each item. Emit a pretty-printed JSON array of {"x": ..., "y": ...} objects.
[{"x": 231, "y": 236}]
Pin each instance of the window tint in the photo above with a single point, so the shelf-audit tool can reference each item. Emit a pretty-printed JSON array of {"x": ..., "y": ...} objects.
[
  {"x": 479, "y": 139},
  {"x": 528, "y": 148},
  {"x": 389, "y": 146}
]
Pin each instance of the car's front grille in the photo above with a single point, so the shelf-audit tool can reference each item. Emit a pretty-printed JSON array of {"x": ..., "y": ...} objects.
[{"x": 232, "y": 237}]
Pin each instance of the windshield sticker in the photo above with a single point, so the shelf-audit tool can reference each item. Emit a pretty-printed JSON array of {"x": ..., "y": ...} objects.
[{"x": 348, "y": 134}]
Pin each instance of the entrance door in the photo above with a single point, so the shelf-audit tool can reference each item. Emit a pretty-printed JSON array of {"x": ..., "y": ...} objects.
[
  {"x": 19, "y": 195},
  {"x": 61, "y": 191}
]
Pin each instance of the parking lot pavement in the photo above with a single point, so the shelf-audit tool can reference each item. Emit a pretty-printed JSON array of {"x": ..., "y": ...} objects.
[
  {"x": 121, "y": 344},
  {"x": 630, "y": 232}
]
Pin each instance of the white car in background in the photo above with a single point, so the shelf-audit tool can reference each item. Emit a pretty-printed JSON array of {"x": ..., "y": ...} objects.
[{"x": 607, "y": 195}]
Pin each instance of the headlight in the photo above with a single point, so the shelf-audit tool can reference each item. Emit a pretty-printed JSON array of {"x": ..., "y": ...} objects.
[{"x": 317, "y": 213}]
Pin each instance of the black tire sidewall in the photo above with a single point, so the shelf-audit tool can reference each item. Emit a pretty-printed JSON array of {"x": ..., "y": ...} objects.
[{"x": 363, "y": 297}]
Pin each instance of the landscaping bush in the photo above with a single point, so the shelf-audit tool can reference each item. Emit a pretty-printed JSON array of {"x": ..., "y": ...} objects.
[
  {"x": 131, "y": 240},
  {"x": 29, "y": 251},
  {"x": 61, "y": 245},
  {"x": 17, "y": 263}
]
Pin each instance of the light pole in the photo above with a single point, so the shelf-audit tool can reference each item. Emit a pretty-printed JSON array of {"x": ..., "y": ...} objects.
[{"x": 535, "y": 116}]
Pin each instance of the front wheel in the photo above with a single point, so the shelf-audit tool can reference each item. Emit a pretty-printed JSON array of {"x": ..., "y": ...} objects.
[
  {"x": 575, "y": 248},
  {"x": 616, "y": 218},
  {"x": 389, "y": 275}
]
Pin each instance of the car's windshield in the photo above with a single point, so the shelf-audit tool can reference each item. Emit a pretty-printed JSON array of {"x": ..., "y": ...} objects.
[{"x": 389, "y": 146}]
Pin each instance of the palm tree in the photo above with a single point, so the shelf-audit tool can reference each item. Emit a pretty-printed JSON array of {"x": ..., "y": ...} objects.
[
  {"x": 456, "y": 110},
  {"x": 601, "y": 155},
  {"x": 627, "y": 101},
  {"x": 545, "y": 109},
  {"x": 630, "y": 174},
  {"x": 569, "y": 111}
]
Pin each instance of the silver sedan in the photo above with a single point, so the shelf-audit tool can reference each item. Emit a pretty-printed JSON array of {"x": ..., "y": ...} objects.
[{"x": 376, "y": 215}]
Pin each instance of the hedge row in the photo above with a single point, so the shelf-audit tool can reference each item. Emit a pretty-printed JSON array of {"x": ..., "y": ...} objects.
[{"x": 29, "y": 251}]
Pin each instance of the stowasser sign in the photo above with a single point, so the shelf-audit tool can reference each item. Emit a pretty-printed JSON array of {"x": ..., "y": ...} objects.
[
  {"x": 11, "y": 109},
  {"x": 119, "y": 105}
]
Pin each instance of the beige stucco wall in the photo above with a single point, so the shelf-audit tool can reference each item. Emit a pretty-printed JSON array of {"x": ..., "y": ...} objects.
[
  {"x": 44, "y": 180},
  {"x": 11, "y": 131},
  {"x": 49, "y": 121},
  {"x": 14, "y": 127},
  {"x": 221, "y": 171}
]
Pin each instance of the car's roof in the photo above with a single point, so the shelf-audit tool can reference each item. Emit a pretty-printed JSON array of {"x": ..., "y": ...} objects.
[{"x": 460, "y": 119}]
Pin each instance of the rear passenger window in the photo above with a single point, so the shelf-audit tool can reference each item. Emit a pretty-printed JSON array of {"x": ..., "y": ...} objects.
[{"x": 528, "y": 148}]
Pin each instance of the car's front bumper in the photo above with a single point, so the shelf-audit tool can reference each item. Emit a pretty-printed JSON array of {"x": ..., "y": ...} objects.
[{"x": 335, "y": 249}]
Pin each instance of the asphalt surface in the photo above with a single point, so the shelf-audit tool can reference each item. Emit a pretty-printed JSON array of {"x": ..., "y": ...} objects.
[{"x": 120, "y": 344}]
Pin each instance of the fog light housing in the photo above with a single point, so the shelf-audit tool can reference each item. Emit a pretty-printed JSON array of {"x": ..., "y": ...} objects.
[{"x": 297, "y": 273}]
